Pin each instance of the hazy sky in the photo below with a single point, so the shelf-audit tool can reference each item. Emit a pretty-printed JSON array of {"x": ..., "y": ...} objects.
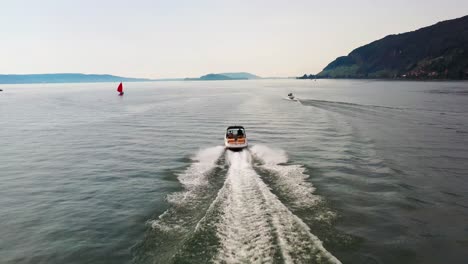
[{"x": 149, "y": 38}]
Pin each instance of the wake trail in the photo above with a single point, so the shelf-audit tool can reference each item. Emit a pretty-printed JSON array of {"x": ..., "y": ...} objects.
[
  {"x": 195, "y": 180},
  {"x": 256, "y": 227},
  {"x": 291, "y": 180},
  {"x": 170, "y": 231}
]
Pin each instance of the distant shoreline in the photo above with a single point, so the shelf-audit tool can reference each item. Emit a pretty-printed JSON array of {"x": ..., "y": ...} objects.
[
  {"x": 64, "y": 78},
  {"x": 51, "y": 78},
  {"x": 182, "y": 80},
  {"x": 389, "y": 79}
]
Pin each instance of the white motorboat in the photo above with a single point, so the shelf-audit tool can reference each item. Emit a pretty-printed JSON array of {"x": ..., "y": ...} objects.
[{"x": 235, "y": 138}]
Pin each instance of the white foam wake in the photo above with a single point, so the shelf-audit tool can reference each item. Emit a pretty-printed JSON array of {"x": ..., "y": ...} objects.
[
  {"x": 195, "y": 176},
  {"x": 193, "y": 180},
  {"x": 204, "y": 161},
  {"x": 290, "y": 179},
  {"x": 255, "y": 227}
]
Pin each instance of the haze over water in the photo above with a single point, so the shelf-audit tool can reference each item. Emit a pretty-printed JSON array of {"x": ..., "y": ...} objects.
[{"x": 356, "y": 172}]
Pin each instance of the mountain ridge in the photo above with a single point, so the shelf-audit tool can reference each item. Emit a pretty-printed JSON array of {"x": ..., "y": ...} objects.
[
  {"x": 229, "y": 76},
  {"x": 64, "y": 78},
  {"x": 439, "y": 51},
  {"x": 240, "y": 75}
]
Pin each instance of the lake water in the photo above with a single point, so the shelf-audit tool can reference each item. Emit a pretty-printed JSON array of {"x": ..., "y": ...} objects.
[{"x": 355, "y": 172}]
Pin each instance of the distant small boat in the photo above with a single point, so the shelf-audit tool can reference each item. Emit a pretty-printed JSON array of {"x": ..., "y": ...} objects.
[
  {"x": 235, "y": 138},
  {"x": 120, "y": 89},
  {"x": 291, "y": 97},
  {"x": 1, "y": 90}
]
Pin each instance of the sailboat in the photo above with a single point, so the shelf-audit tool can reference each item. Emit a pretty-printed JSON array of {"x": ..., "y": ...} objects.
[{"x": 120, "y": 89}]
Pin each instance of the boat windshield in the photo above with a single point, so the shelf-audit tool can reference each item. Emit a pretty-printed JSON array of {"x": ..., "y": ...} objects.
[{"x": 235, "y": 132}]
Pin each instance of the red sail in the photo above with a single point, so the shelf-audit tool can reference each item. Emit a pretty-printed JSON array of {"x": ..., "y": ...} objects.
[{"x": 120, "y": 88}]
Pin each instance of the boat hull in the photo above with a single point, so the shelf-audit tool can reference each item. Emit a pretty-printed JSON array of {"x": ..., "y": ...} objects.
[
  {"x": 291, "y": 99},
  {"x": 235, "y": 146}
]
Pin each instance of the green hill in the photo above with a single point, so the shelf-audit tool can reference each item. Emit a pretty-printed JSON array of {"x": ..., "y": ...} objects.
[
  {"x": 240, "y": 75},
  {"x": 225, "y": 76},
  {"x": 214, "y": 76},
  {"x": 439, "y": 51}
]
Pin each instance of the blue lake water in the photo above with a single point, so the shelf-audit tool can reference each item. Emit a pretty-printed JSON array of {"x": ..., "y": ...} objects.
[{"x": 355, "y": 172}]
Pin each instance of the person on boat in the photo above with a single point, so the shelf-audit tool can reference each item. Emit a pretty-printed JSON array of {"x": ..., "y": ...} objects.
[
  {"x": 230, "y": 134},
  {"x": 240, "y": 133}
]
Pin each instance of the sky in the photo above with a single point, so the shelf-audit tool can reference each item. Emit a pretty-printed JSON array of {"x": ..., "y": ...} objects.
[{"x": 177, "y": 38}]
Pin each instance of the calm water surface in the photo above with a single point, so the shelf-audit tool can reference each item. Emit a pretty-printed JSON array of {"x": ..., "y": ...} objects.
[{"x": 355, "y": 172}]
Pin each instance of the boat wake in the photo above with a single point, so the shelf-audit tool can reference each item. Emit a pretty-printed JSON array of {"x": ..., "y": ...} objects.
[
  {"x": 255, "y": 227},
  {"x": 243, "y": 220},
  {"x": 291, "y": 180},
  {"x": 196, "y": 176},
  {"x": 292, "y": 100},
  {"x": 195, "y": 181},
  {"x": 170, "y": 231}
]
